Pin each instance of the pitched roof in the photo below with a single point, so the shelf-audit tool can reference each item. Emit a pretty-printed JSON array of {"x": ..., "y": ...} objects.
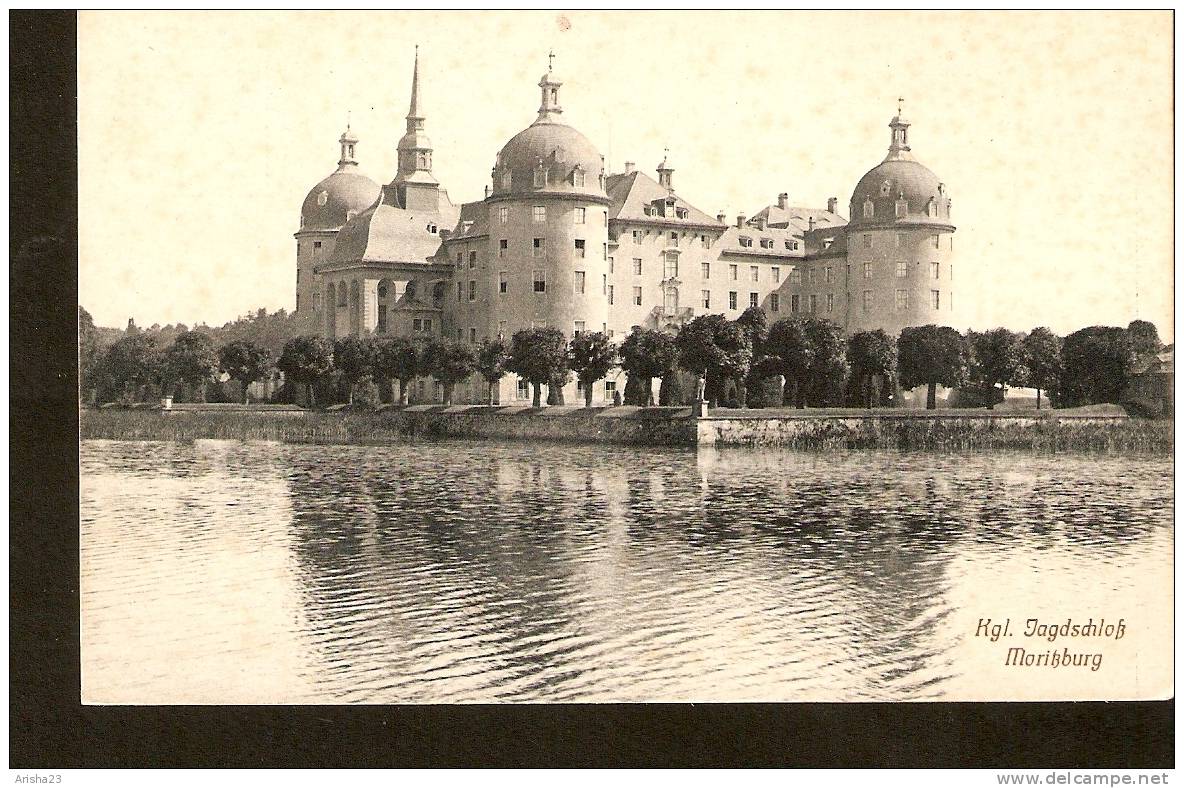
[
  {"x": 387, "y": 234},
  {"x": 729, "y": 242},
  {"x": 630, "y": 193},
  {"x": 798, "y": 218},
  {"x": 473, "y": 221}
]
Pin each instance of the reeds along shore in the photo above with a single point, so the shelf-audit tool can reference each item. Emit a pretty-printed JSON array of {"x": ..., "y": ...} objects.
[{"x": 945, "y": 434}]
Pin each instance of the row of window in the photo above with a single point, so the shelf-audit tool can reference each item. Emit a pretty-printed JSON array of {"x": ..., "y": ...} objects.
[
  {"x": 768, "y": 243},
  {"x": 901, "y": 207},
  {"x": 538, "y": 213},
  {"x": 522, "y": 390},
  {"x": 900, "y": 240},
  {"x": 828, "y": 273},
  {"x": 538, "y": 249}
]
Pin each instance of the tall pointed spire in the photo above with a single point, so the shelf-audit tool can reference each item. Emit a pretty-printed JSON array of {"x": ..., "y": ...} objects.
[
  {"x": 414, "y": 113},
  {"x": 415, "y": 149}
]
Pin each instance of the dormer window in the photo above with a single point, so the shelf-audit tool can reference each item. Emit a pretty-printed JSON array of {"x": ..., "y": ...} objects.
[
  {"x": 885, "y": 189},
  {"x": 745, "y": 242},
  {"x": 649, "y": 210},
  {"x": 506, "y": 179},
  {"x": 540, "y": 177},
  {"x": 577, "y": 177},
  {"x": 766, "y": 243},
  {"x": 931, "y": 208},
  {"x": 681, "y": 213},
  {"x": 869, "y": 208},
  {"x": 902, "y": 208},
  {"x": 827, "y": 242},
  {"x": 432, "y": 229}
]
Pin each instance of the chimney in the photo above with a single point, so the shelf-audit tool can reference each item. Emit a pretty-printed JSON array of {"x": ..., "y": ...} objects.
[
  {"x": 721, "y": 217},
  {"x": 630, "y": 167},
  {"x": 488, "y": 191},
  {"x": 811, "y": 224},
  {"x": 740, "y": 219},
  {"x": 832, "y": 205},
  {"x": 783, "y": 200},
  {"x": 760, "y": 222}
]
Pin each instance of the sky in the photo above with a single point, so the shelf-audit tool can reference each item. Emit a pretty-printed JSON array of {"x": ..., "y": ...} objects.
[{"x": 200, "y": 134}]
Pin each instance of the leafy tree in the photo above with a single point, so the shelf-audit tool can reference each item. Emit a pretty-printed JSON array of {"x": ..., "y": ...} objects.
[
  {"x": 827, "y": 371},
  {"x": 763, "y": 384},
  {"x": 306, "y": 360},
  {"x": 677, "y": 387},
  {"x": 132, "y": 363},
  {"x": 1096, "y": 363},
  {"x": 789, "y": 344},
  {"x": 449, "y": 362},
  {"x": 538, "y": 356},
  {"x": 492, "y": 357},
  {"x": 400, "y": 358},
  {"x": 555, "y": 387},
  {"x": 591, "y": 356},
  {"x": 996, "y": 362},
  {"x": 354, "y": 358},
  {"x": 647, "y": 354},
  {"x": 755, "y": 324},
  {"x": 871, "y": 354},
  {"x": 1144, "y": 339},
  {"x": 714, "y": 347},
  {"x": 634, "y": 393},
  {"x": 192, "y": 359},
  {"x": 931, "y": 355},
  {"x": 245, "y": 362},
  {"x": 1042, "y": 360},
  {"x": 90, "y": 354}
]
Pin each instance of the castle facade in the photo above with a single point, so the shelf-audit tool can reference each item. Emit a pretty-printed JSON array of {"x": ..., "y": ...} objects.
[{"x": 559, "y": 241}]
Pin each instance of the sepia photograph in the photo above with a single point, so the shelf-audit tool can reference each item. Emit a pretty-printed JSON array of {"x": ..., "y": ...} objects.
[
  {"x": 592, "y": 388},
  {"x": 615, "y": 357}
]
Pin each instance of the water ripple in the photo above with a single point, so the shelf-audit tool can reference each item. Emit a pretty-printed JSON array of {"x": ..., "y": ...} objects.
[{"x": 227, "y": 572}]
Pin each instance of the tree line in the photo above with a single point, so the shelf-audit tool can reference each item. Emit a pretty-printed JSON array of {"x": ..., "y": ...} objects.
[{"x": 795, "y": 362}]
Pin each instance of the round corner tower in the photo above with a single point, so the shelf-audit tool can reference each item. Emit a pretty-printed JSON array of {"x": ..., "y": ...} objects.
[
  {"x": 548, "y": 229},
  {"x": 899, "y": 243}
]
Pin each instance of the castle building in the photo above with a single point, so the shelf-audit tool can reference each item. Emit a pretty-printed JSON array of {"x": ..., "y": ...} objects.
[{"x": 559, "y": 241}]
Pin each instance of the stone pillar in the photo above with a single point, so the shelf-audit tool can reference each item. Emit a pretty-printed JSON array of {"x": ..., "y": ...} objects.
[
  {"x": 355, "y": 308},
  {"x": 369, "y": 306}
]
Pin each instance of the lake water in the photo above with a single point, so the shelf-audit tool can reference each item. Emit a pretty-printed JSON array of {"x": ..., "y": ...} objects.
[{"x": 231, "y": 572}]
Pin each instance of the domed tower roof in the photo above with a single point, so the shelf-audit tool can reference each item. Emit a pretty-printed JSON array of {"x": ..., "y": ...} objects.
[
  {"x": 549, "y": 156},
  {"x": 899, "y": 188},
  {"x": 333, "y": 201}
]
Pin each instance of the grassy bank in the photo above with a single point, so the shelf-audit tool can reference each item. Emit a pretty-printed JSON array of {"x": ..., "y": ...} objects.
[
  {"x": 1136, "y": 435},
  {"x": 822, "y": 431}
]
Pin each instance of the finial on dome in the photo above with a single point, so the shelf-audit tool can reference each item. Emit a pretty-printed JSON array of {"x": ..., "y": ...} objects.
[
  {"x": 348, "y": 140},
  {"x": 899, "y": 149},
  {"x": 550, "y": 85}
]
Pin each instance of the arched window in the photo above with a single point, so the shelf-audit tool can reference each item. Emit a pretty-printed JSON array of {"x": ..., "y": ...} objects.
[
  {"x": 577, "y": 177},
  {"x": 885, "y": 189},
  {"x": 505, "y": 179},
  {"x": 931, "y": 208},
  {"x": 540, "y": 177},
  {"x": 342, "y": 294},
  {"x": 869, "y": 208}
]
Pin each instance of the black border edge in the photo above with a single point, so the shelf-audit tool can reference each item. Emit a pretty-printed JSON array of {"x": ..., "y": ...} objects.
[{"x": 49, "y": 728}]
